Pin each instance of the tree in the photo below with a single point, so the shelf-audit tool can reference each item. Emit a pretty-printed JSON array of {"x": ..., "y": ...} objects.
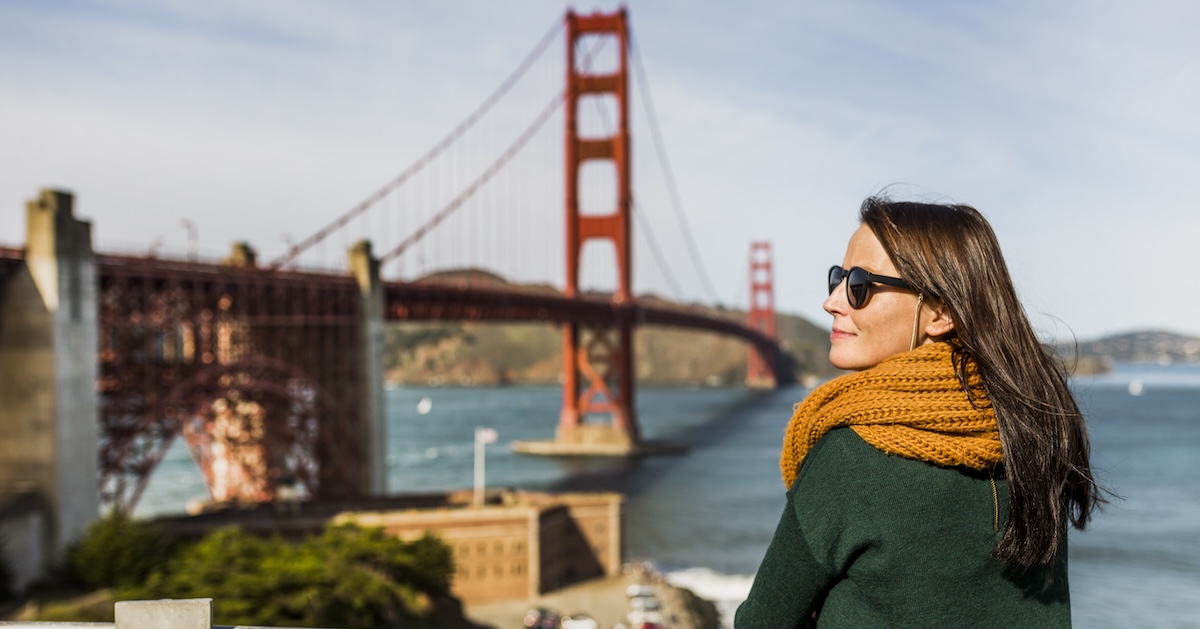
[
  {"x": 348, "y": 576},
  {"x": 118, "y": 551}
]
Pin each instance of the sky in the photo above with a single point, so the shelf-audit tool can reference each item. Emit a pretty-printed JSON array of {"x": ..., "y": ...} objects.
[{"x": 1074, "y": 126}]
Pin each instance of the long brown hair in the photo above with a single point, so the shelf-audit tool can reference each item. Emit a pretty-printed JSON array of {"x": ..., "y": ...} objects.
[{"x": 950, "y": 254}]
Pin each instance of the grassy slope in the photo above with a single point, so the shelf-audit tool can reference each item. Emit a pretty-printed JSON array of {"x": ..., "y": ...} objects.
[{"x": 466, "y": 353}]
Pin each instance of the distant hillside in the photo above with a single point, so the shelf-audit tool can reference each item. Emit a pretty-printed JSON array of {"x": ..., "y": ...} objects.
[
  {"x": 1144, "y": 346},
  {"x": 472, "y": 354}
]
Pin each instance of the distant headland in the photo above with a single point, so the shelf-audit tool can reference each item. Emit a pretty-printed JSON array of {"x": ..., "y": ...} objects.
[
  {"x": 1139, "y": 346},
  {"x": 465, "y": 353}
]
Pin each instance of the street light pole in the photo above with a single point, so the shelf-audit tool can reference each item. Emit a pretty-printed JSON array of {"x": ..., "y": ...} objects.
[
  {"x": 483, "y": 436},
  {"x": 191, "y": 235},
  {"x": 155, "y": 245}
]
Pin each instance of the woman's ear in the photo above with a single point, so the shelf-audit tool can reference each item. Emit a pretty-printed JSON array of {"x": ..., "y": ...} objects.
[{"x": 940, "y": 323}]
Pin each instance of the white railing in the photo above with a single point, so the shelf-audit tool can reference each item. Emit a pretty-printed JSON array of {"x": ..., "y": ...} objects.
[{"x": 195, "y": 613}]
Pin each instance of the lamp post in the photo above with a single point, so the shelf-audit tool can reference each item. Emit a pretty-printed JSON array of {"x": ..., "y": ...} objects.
[
  {"x": 483, "y": 436},
  {"x": 155, "y": 245},
  {"x": 191, "y": 236}
]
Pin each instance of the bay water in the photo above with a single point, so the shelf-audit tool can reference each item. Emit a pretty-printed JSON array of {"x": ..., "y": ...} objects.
[{"x": 705, "y": 517}]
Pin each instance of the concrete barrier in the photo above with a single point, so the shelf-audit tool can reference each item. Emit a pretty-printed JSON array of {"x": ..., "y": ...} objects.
[{"x": 195, "y": 613}]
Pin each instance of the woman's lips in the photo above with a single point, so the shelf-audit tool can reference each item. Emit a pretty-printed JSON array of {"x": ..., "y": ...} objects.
[{"x": 839, "y": 334}]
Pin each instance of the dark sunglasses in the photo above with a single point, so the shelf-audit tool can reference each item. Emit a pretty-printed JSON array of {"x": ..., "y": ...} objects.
[{"x": 858, "y": 283}]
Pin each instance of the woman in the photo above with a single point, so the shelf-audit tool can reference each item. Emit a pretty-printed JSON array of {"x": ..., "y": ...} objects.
[{"x": 931, "y": 488}]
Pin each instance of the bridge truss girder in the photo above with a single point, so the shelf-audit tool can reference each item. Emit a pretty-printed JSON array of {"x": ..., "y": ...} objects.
[{"x": 259, "y": 372}]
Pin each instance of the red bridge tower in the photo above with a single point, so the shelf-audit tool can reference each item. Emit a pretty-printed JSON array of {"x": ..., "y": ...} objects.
[
  {"x": 760, "y": 372},
  {"x": 598, "y": 360}
]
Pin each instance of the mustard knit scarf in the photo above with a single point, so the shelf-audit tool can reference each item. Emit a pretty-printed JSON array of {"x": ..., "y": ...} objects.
[{"x": 910, "y": 405}]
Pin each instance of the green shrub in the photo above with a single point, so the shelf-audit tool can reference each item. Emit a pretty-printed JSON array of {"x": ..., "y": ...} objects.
[
  {"x": 348, "y": 576},
  {"x": 118, "y": 551}
]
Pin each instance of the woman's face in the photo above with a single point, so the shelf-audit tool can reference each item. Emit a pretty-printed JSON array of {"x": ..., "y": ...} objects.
[{"x": 883, "y": 327}]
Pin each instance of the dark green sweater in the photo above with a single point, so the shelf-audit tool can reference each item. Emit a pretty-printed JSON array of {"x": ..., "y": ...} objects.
[{"x": 872, "y": 540}]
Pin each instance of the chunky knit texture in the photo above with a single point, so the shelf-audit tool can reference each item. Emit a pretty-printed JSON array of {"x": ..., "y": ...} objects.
[{"x": 910, "y": 405}]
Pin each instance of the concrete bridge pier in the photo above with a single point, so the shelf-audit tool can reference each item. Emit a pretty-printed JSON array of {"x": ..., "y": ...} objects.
[
  {"x": 365, "y": 269},
  {"x": 48, "y": 367}
]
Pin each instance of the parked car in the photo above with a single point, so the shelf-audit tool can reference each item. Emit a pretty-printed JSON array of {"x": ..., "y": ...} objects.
[
  {"x": 640, "y": 618},
  {"x": 644, "y": 603},
  {"x": 541, "y": 618},
  {"x": 579, "y": 621},
  {"x": 640, "y": 589}
]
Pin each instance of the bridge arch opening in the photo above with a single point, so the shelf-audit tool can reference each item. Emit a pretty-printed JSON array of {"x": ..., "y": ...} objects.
[{"x": 257, "y": 428}]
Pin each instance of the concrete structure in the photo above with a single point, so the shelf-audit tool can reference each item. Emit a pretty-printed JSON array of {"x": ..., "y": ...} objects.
[
  {"x": 48, "y": 366},
  {"x": 365, "y": 269},
  {"x": 191, "y": 613},
  {"x": 25, "y": 536},
  {"x": 194, "y": 613},
  {"x": 519, "y": 546}
]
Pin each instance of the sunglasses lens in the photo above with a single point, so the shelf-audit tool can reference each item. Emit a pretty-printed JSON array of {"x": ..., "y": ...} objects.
[
  {"x": 856, "y": 287},
  {"x": 836, "y": 274}
]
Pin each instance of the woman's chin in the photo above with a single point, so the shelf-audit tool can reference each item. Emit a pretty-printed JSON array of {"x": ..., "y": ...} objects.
[{"x": 846, "y": 364}]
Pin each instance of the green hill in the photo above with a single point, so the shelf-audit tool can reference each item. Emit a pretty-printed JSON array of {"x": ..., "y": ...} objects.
[{"x": 481, "y": 354}]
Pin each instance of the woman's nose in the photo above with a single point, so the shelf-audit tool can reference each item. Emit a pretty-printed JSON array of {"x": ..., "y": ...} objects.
[{"x": 836, "y": 302}]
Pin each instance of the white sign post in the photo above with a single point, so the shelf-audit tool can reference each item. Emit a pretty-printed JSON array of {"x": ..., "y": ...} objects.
[{"x": 483, "y": 436}]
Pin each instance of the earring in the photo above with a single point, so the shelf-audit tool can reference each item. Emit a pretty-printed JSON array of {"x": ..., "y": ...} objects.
[{"x": 916, "y": 322}]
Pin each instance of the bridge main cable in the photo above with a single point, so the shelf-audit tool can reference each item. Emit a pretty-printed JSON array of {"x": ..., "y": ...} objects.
[
  {"x": 293, "y": 252},
  {"x": 475, "y": 185},
  {"x": 665, "y": 166},
  {"x": 491, "y": 171}
]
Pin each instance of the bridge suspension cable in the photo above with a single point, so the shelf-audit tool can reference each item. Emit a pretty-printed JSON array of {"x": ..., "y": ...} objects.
[
  {"x": 656, "y": 252},
  {"x": 490, "y": 172},
  {"x": 475, "y": 185},
  {"x": 295, "y": 250},
  {"x": 664, "y": 164}
]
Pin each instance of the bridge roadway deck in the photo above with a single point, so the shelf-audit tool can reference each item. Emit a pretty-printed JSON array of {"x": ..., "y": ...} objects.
[{"x": 428, "y": 301}]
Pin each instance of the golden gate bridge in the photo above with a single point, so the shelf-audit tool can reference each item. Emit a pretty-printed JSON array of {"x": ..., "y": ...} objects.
[{"x": 272, "y": 371}]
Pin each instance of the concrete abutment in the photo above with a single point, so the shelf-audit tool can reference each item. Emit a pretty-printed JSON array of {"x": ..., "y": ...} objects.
[{"x": 48, "y": 366}]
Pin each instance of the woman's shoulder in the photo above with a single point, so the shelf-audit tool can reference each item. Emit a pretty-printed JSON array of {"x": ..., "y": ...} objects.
[
  {"x": 842, "y": 460},
  {"x": 848, "y": 488},
  {"x": 842, "y": 446},
  {"x": 839, "y": 462}
]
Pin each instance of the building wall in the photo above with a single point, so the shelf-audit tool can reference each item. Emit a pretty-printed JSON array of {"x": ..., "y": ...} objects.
[
  {"x": 566, "y": 558},
  {"x": 491, "y": 545},
  {"x": 598, "y": 517},
  {"x": 525, "y": 545}
]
